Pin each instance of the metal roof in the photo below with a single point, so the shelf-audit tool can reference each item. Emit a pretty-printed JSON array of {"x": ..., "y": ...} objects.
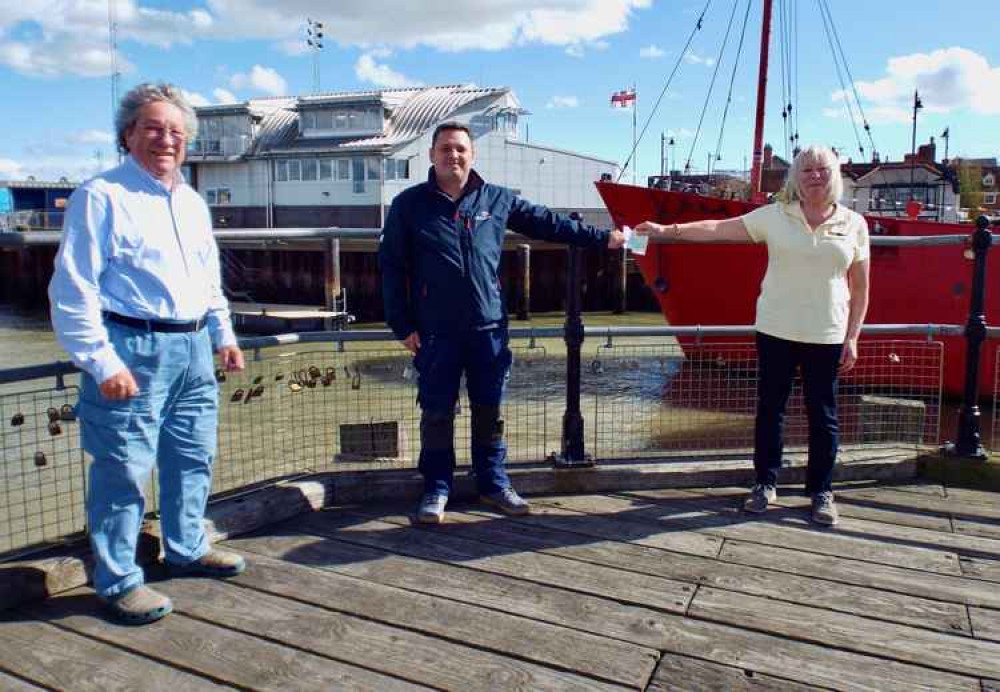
[
  {"x": 411, "y": 111},
  {"x": 39, "y": 184}
]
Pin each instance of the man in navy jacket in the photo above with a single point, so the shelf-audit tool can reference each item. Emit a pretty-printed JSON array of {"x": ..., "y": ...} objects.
[{"x": 440, "y": 254}]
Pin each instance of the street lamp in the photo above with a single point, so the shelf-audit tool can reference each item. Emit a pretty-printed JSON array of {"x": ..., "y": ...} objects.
[{"x": 314, "y": 41}]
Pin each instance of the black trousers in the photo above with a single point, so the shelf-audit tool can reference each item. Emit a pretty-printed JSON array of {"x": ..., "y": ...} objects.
[{"x": 777, "y": 362}]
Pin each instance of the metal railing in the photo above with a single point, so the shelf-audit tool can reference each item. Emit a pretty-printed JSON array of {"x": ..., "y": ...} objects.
[
  {"x": 299, "y": 409},
  {"x": 345, "y": 401}
]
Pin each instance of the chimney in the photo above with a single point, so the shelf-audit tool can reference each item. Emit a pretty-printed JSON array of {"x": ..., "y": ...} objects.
[
  {"x": 927, "y": 153},
  {"x": 768, "y": 156}
]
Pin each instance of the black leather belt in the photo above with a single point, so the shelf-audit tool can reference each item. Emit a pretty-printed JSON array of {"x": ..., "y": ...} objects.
[{"x": 155, "y": 325}]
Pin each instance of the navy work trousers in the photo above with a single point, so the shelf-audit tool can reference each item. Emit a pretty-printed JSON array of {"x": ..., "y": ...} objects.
[
  {"x": 777, "y": 361},
  {"x": 485, "y": 359}
]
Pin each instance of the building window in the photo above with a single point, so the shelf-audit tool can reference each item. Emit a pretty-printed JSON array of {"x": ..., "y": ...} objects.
[
  {"x": 308, "y": 121},
  {"x": 988, "y": 180},
  {"x": 343, "y": 169},
  {"x": 989, "y": 198},
  {"x": 372, "y": 166},
  {"x": 217, "y": 196},
  {"x": 326, "y": 169},
  {"x": 309, "y": 171},
  {"x": 281, "y": 170},
  {"x": 294, "y": 169},
  {"x": 397, "y": 169},
  {"x": 358, "y": 174}
]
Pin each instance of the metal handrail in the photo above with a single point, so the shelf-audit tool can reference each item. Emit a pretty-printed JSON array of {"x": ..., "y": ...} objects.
[
  {"x": 46, "y": 238},
  {"x": 250, "y": 344}
]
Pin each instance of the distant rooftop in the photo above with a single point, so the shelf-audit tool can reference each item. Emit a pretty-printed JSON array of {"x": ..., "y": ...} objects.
[{"x": 39, "y": 184}]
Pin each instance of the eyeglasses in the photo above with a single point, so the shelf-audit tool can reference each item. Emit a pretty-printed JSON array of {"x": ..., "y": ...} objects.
[{"x": 156, "y": 131}]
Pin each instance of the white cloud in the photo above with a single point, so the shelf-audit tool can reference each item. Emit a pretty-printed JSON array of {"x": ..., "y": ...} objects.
[
  {"x": 224, "y": 96},
  {"x": 70, "y": 37},
  {"x": 366, "y": 69},
  {"x": 261, "y": 79},
  {"x": 195, "y": 99},
  {"x": 469, "y": 25},
  {"x": 693, "y": 58},
  {"x": 563, "y": 102},
  {"x": 11, "y": 170},
  {"x": 575, "y": 51},
  {"x": 948, "y": 79},
  {"x": 651, "y": 51},
  {"x": 92, "y": 137}
]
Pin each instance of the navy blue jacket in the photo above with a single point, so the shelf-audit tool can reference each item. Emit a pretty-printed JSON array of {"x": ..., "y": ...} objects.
[{"x": 440, "y": 257}]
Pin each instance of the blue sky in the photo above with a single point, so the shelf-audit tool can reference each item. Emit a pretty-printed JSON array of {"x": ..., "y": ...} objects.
[{"x": 563, "y": 58}]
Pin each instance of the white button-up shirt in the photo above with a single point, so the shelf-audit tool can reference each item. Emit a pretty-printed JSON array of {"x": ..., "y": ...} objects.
[{"x": 131, "y": 245}]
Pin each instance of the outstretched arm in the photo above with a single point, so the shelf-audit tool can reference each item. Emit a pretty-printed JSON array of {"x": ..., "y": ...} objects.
[{"x": 706, "y": 231}]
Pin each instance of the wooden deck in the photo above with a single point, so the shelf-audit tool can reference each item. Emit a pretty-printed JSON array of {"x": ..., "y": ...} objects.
[{"x": 650, "y": 590}]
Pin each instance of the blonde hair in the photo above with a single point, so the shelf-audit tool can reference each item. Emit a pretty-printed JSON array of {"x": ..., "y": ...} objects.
[{"x": 825, "y": 156}]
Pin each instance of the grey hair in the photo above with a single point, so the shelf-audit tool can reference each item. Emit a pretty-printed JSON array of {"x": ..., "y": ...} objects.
[
  {"x": 143, "y": 95},
  {"x": 818, "y": 154}
]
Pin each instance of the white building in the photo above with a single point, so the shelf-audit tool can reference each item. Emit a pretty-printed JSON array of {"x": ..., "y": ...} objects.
[{"x": 339, "y": 159}]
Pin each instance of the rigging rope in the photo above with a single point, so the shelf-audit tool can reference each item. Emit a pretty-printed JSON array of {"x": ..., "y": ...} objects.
[
  {"x": 732, "y": 79},
  {"x": 840, "y": 77},
  {"x": 652, "y": 113},
  {"x": 847, "y": 68},
  {"x": 711, "y": 86}
]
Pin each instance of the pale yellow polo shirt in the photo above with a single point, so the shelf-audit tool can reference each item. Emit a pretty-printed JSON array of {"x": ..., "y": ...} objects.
[{"x": 804, "y": 295}]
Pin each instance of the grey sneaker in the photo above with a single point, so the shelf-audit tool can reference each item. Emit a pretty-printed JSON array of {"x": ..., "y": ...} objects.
[
  {"x": 431, "y": 508},
  {"x": 824, "y": 511},
  {"x": 507, "y": 501},
  {"x": 139, "y": 606},
  {"x": 760, "y": 497},
  {"x": 214, "y": 563}
]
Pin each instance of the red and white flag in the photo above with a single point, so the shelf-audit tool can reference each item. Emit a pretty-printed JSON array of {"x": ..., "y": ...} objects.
[{"x": 623, "y": 99}]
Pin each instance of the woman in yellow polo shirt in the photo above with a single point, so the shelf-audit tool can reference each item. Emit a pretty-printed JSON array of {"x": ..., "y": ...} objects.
[{"x": 811, "y": 306}]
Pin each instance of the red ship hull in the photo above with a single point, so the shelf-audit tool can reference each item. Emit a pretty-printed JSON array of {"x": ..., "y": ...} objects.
[{"x": 719, "y": 284}]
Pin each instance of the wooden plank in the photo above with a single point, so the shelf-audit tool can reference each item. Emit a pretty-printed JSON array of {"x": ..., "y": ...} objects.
[
  {"x": 891, "y": 532},
  {"x": 953, "y": 506},
  {"x": 11, "y": 684},
  {"x": 596, "y": 580},
  {"x": 883, "y": 577},
  {"x": 985, "y": 623},
  {"x": 694, "y": 675},
  {"x": 982, "y": 529},
  {"x": 217, "y": 652},
  {"x": 785, "y": 528},
  {"x": 968, "y": 496},
  {"x": 488, "y": 541},
  {"x": 788, "y": 498},
  {"x": 601, "y": 616},
  {"x": 850, "y": 632},
  {"x": 393, "y": 651},
  {"x": 980, "y": 568},
  {"x": 571, "y": 514},
  {"x": 61, "y": 660},
  {"x": 497, "y": 631}
]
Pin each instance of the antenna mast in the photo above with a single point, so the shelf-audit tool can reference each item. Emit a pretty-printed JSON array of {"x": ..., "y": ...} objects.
[{"x": 113, "y": 54}]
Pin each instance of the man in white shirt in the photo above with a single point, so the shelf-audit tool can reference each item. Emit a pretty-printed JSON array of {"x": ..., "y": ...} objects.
[{"x": 137, "y": 302}]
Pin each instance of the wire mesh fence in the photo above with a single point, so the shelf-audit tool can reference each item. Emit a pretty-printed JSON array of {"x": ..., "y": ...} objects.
[
  {"x": 663, "y": 400},
  {"x": 42, "y": 470},
  {"x": 345, "y": 407}
]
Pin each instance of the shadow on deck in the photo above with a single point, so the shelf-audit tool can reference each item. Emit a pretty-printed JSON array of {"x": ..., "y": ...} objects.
[{"x": 630, "y": 588}]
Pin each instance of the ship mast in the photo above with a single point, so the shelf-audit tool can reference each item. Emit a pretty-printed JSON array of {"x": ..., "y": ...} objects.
[{"x": 758, "y": 136}]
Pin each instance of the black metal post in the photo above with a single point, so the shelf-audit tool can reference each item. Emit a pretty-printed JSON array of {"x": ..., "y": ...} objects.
[
  {"x": 573, "y": 452},
  {"x": 969, "y": 443}
]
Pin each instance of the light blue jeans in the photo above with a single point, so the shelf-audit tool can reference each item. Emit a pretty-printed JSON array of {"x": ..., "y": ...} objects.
[{"x": 174, "y": 421}]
